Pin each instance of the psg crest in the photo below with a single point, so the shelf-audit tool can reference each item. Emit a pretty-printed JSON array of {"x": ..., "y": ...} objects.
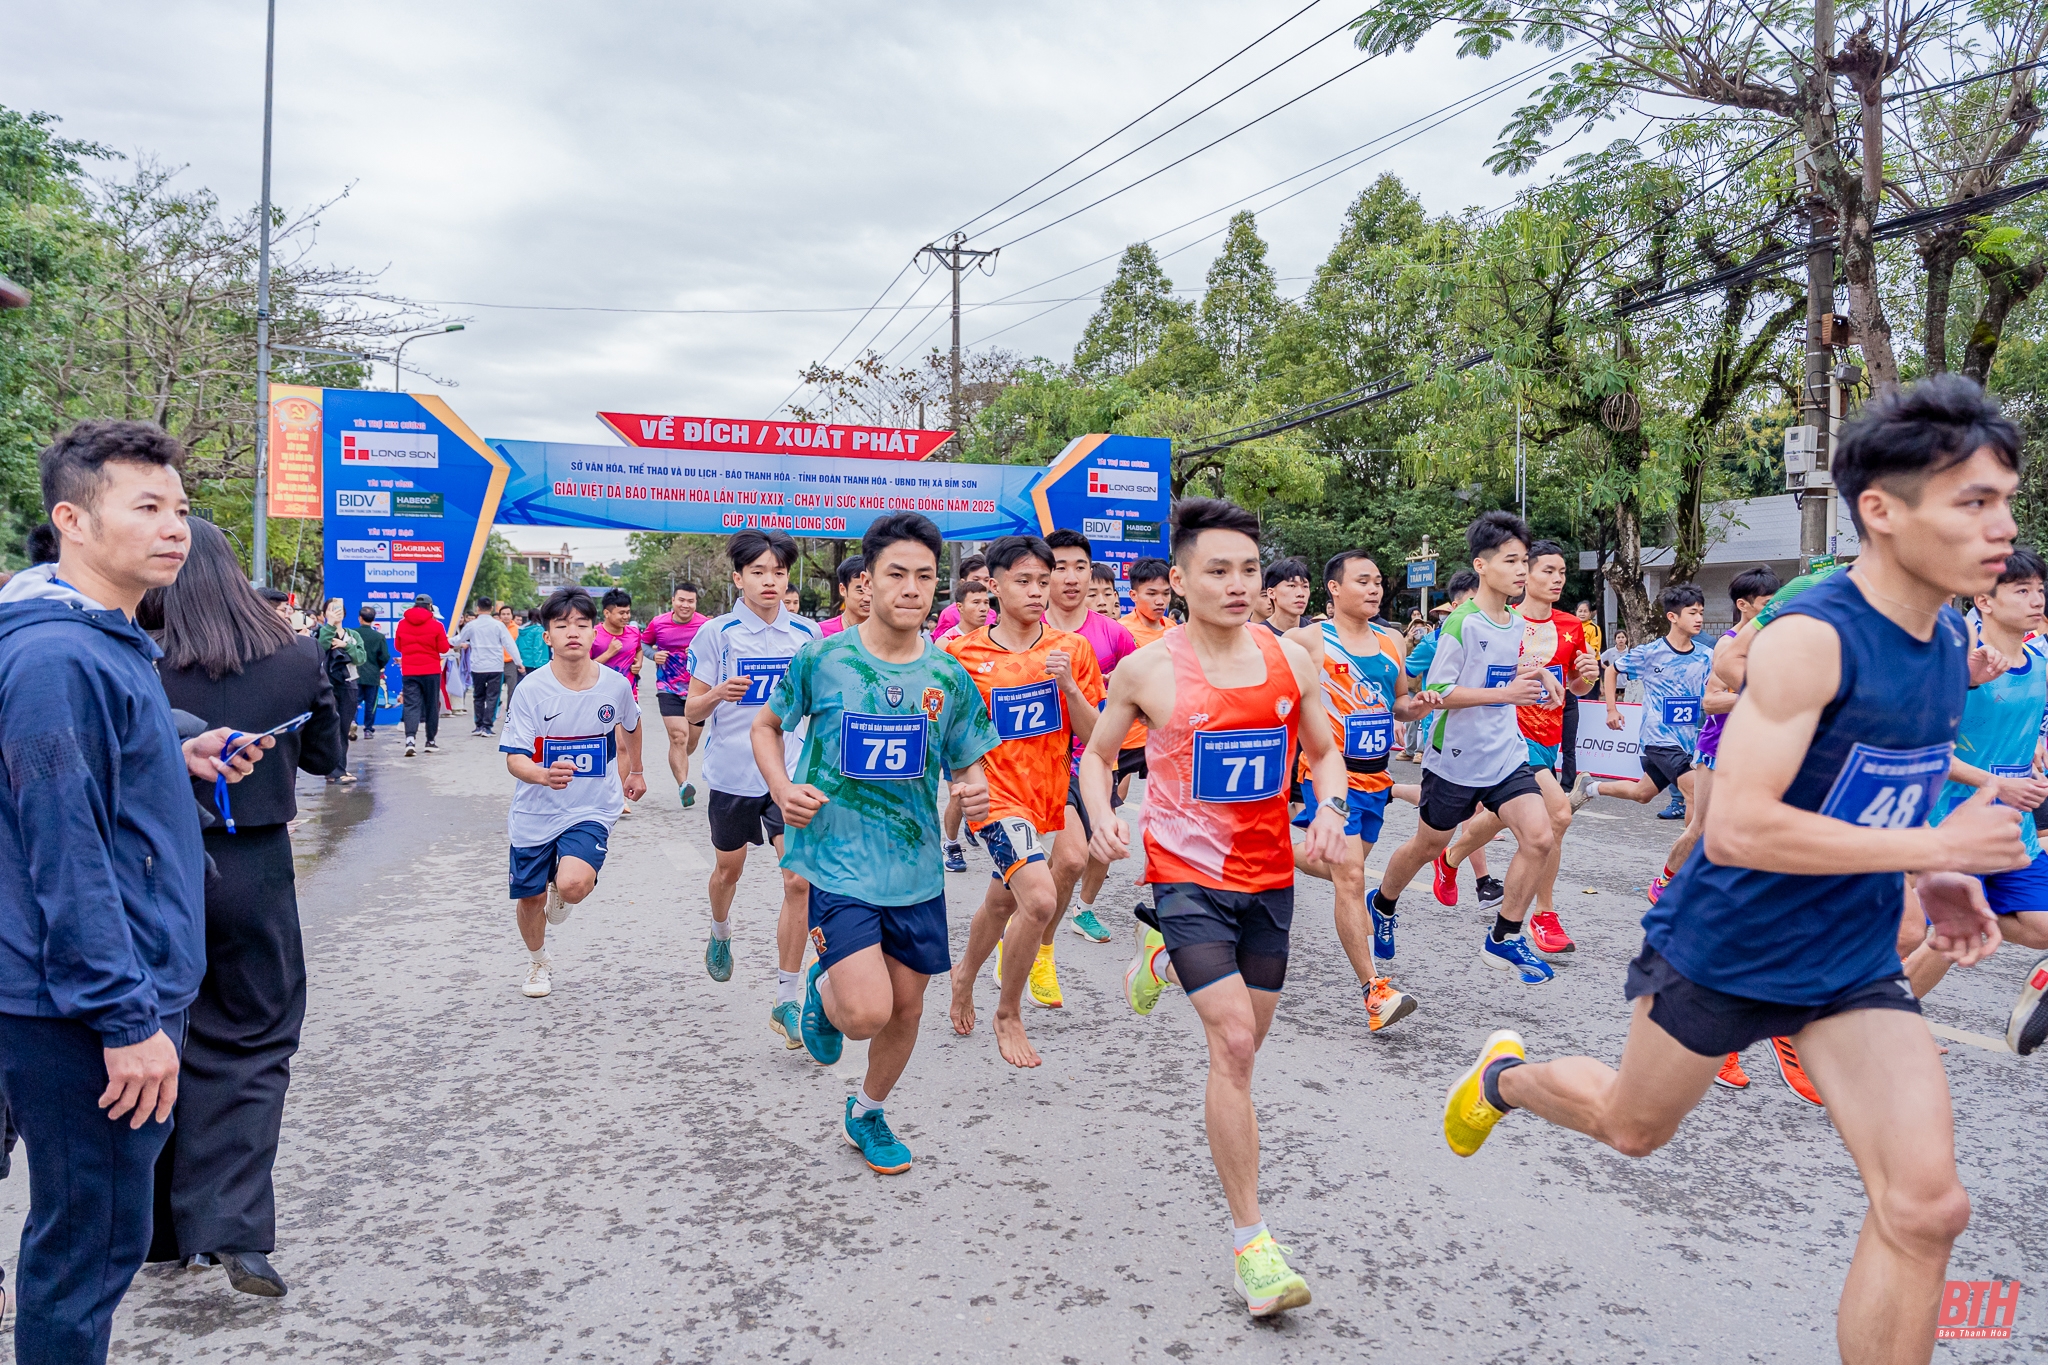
[
  {"x": 894, "y": 694},
  {"x": 606, "y": 714}
]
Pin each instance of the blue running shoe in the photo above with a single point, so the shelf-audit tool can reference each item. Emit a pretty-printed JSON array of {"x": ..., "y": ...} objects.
[
  {"x": 787, "y": 1020},
  {"x": 823, "y": 1041},
  {"x": 968, "y": 835},
  {"x": 1383, "y": 926},
  {"x": 1513, "y": 954},
  {"x": 881, "y": 1149},
  {"x": 956, "y": 861},
  {"x": 718, "y": 959}
]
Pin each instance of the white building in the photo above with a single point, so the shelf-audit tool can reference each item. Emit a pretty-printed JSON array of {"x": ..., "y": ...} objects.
[{"x": 1741, "y": 533}]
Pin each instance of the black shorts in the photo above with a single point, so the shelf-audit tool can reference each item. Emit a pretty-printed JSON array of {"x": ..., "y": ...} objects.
[
  {"x": 737, "y": 821},
  {"x": 1714, "y": 1023},
  {"x": 1131, "y": 761},
  {"x": 1074, "y": 804},
  {"x": 1212, "y": 934},
  {"x": 1447, "y": 805},
  {"x": 1665, "y": 765},
  {"x": 671, "y": 703}
]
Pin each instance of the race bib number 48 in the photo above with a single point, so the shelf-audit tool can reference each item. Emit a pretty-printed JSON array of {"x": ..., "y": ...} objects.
[
  {"x": 1368, "y": 734},
  {"x": 761, "y": 676},
  {"x": 1027, "y": 711},
  {"x": 589, "y": 754},
  {"x": 1888, "y": 788},
  {"x": 1240, "y": 765},
  {"x": 882, "y": 748}
]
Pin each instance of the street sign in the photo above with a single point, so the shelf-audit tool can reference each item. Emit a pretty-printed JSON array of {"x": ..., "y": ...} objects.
[{"x": 1422, "y": 573}]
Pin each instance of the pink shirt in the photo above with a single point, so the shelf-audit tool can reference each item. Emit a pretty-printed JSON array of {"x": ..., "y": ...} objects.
[
  {"x": 948, "y": 618},
  {"x": 1111, "y": 643},
  {"x": 667, "y": 633},
  {"x": 833, "y": 626},
  {"x": 627, "y": 659}
]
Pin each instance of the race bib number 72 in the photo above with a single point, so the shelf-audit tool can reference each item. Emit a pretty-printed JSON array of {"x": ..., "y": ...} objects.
[{"x": 1888, "y": 788}]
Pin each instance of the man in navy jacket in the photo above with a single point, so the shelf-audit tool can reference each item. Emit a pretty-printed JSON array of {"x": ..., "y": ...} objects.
[{"x": 102, "y": 880}]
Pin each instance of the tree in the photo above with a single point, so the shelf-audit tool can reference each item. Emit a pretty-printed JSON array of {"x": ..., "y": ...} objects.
[
  {"x": 1242, "y": 303},
  {"x": 594, "y": 576},
  {"x": 503, "y": 577},
  {"x": 1136, "y": 307}
]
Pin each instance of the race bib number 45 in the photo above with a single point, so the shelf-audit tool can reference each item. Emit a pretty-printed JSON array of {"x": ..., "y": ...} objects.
[
  {"x": 1027, "y": 711},
  {"x": 761, "y": 676},
  {"x": 1240, "y": 765},
  {"x": 1888, "y": 788},
  {"x": 589, "y": 754},
  {"x": 882, "y": 748},
  {"x": 1368, "y": 734}
]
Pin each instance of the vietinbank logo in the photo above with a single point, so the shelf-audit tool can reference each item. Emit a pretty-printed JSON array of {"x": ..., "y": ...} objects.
[
  {"x": 1123, "y": 483},
  {"x": 1977, "y": 1310},
  {"x": 405, "y": 449}
]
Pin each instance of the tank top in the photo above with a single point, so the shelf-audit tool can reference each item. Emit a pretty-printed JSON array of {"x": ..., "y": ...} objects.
[
  {"x": 2001, "y": 724},
  {"x": 1216, "y": 799},
  {"x": 1878, "y": 758},
  {"x": 1358, "y": 692}
]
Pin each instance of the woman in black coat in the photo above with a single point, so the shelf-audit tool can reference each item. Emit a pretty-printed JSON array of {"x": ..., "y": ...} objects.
[{"x": 229, "y": 658}]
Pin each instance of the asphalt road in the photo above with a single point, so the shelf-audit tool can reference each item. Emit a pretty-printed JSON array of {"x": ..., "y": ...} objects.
[{"x": 635, "y": 1169}]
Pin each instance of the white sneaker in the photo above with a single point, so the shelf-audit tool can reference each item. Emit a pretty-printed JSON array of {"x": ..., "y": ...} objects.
[
  {"x": 1583, "y": 791},
  {"x": 558, "y": 909},
  {"x": 538, "y": 982},
  {"x": 410, "y": 748}
]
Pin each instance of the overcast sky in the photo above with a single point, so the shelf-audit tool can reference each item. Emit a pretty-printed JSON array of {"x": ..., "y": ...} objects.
[{"x": 622, "y": 156}]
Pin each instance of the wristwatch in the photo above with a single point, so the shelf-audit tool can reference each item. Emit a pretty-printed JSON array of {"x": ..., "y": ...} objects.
[{"x": 1339, "y": 804}]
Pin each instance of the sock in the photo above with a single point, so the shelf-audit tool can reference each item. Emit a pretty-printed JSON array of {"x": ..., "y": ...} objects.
[
  {"x": 1668, "y": 873},
  {"x": 1086, "y": 908},
  {"x": 1160, "y": 962},
  {"x": 721, "y": 928},
  {"x": 1489, "y": 1081},
  {"x": 952, "y": 845},
  {"x": 1384, "y": 902},
  {"x": 1243, "y": 1237},
  {"x": 1504, "y": 928},
  {"x": 540, "y": 955},
  {"x": 863, "y": 1106},
  {"x": 789, "y": 987}
]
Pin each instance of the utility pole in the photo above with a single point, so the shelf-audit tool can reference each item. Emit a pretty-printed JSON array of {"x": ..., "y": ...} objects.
[
  {"x": 1816, "y": 503},
  {"x": 955, "y": 256},
  {"x": 259, "y": 570}
]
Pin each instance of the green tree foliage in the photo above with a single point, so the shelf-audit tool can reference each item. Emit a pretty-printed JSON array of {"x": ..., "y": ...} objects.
[
  {"x": 1241, "y": 304},
  {"x": 502, "y": 577},
  {"x": 1136, "y": 309}
]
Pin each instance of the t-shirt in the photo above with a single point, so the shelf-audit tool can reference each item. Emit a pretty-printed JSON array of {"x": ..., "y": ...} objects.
[
  {"x": 1592, "y": 632},
  {"x": 1558, "y": 640},
  {"x": 1144, "y": 633},
  {"x": 627, "y": 660},
  {"x": 1475, "y": 746},
  {"x": 2001, "y": 725},
  {"x": 664, "y": 632},
  {"x": 1674, "y": 686},
  {"x": 1710, "y": 729},
  {"x": 1028, "y": 772},
  {"x": 738, "y": 644},
  {"x": 1112, "y": 644},
  {"x": 547, "y": 720},
  {"x": 877, "y": 839}
]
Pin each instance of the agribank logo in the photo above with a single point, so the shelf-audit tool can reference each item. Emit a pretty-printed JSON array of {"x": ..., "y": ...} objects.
[
  {"x": 1977, "y": 1310},
  {"x": 1123, "y": 483},
  {"x": 406, "y": 449}
]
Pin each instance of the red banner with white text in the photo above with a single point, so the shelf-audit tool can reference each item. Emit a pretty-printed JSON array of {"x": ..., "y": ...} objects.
[{"x": 747, "y": 436}]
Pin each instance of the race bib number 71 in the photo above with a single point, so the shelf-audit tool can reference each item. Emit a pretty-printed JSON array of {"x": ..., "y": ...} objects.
[
  {"x": 1888, "y": 788},
  {"x": 1240, "y": 765}
]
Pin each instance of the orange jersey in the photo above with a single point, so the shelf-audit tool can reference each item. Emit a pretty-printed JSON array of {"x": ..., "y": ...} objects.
[
  {"x": 1359, "y": 692},
  {"x": 1028, "y": 771},
  {"x": 1144, "y": 632},
  {"x": 1559, "y": 639},
  {"x": 1216, "y": 801}
]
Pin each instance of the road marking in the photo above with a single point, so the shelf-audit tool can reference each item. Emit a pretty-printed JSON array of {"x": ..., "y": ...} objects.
[
  {"x": 684, "y": 856},
  {"x": 1956, "y": 1035}
]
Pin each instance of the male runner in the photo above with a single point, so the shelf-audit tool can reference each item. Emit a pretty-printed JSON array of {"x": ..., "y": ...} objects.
[
  {"x": 1459, "y": 587},
  {"x": 970, "y": 595},
  {"x": 974, "y": 567},
  {"x": 1785, "y": 918},
  {"x": 1366, "y": 692},
  {"x": 1287, "y": 588},
  {"x": 885, "y": 709},
  {"x": 734, "y": 664},
  {"x": 1151, "y": 595},
  {"x": 1042, "y": 688},
  {"x": 1560, "y": 643},
  {"x": 856, "y": 596},
  {"x": 1673, "y": 670},
  {"x": 668, "y": 638},
  {"x": 563, "y": 731},
  {"x": 1102, "y": 597},
  {"x": 1225, "y": 706},
  {"x": 616, "y": 643},
  {"x": 1475, "y": 755}
]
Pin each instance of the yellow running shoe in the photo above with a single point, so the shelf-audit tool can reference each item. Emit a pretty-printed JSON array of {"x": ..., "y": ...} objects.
[
  {"x": 1141, "y": 983},
  {"x": 1045, "y": 980},
  {"x": 1468, "y": 1118},
  {"x": 996, "y": 970},
  {"x": 1265, "y": 1279}
]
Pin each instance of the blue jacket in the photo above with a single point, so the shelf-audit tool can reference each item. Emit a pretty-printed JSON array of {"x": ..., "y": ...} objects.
[{"x": 102, "y": 870}]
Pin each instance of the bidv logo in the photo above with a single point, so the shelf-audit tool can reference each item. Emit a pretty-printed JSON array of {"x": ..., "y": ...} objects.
[
  {"x": 1977, "y": 1310},
  {"x": 361, "y": 502}
]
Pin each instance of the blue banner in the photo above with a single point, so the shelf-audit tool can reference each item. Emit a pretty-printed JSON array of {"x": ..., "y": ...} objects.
[{"x": 1115, "y": 490}]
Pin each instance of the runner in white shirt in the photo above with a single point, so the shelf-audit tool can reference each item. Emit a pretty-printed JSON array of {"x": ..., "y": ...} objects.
[
  {"x": 565, "y": 732},
  {"x": 735, "y": 661}
]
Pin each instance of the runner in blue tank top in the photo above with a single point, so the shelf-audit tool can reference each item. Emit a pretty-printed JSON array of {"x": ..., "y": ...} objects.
[{"x": 1784, "y": 919}]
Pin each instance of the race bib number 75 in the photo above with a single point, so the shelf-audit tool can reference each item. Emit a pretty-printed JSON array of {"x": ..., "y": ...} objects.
[
  {"x": 881, "y": 748},
  {"x": 1888, "y": 788}
]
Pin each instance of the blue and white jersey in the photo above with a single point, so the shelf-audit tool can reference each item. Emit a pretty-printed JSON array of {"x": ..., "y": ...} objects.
[
  {"x": 1674, "y": 689},
  {"x": 2001, "y": 725},
  {"x": 549, "y": 722},
  {"x": 741, "y": 644}
]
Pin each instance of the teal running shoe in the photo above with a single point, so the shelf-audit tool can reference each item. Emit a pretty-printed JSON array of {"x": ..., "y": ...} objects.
[
  {"x": 1091, "y": 928},
  {"x": 689, "y": 796},
  {"x": 718, "y": 959},
  {"x": 787, "y": 1019},
  {"x": 881, "y": 1149},
  {"x": 823, "y": 1041}
]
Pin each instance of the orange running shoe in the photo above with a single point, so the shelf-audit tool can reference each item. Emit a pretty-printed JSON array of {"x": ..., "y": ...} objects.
[
  {"x": 1795, "y": 1074},
  {"x": 1384, "y": 1005},
  {"x": 1444, "y": 881},
  {"x": 1731, "y": 1073},
  {"x": 1548, "y": 935}
]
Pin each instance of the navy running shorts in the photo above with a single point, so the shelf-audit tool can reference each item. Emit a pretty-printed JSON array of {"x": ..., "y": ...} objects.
[
  {"x": 1213, "y": 934},
  {"x": 737, "y": 821},
  {"x": 1664, "y": 764},
  {"x": 1368, "y": 811},
  {"x": 914, "y": 935},
  {"x": 1713, "y": 1023},
  {"x": 533, "y": 868}
]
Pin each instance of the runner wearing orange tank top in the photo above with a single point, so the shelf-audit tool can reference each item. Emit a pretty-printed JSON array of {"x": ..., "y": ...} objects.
[
  {"x": 1224, "y": 705},
  {"x": 1151, "y": 595}
]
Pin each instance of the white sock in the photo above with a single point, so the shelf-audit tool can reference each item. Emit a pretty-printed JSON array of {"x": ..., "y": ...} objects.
[
  {"x": 789, "y": 987},
  {"x": 540, "y": 955},
  {"x": 863, "y": 1106},
  {"x": 721, "y": 928},
  {"x": 1086, "y": 908},
  {"x": 1244, "y": 1237}
]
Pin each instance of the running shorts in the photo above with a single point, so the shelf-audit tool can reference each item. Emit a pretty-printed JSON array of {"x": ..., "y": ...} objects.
[
  {"x": 914, "y": 935},
  {"x": 1368, "y": 811},
  {"x": 1664, "y": 765},
  {"x": 671, "y": 703},
  {"x": 1213, "y": 934},
  {"x": 1131, "y": 761},
  {"x": 737, "y": 821},
  {"x": 1013, "y": 845},
  {"x": 1541, "y": 756},
  {"x": 1713, "y": 1023},
  {"x": 533, "y": 868},
  {"x": 2025, "y": 889},
  {"x": 1074, "y": 805},
  {"x": 1704, "y": 761},
  {"x": 1447, "y": 805}
]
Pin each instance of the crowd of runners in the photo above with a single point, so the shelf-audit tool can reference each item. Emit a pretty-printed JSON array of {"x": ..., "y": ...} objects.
[{"x": 1859, "y": 759}]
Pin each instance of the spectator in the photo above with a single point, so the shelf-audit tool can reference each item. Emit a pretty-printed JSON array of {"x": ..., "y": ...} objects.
[
  {"x": 421, "y": 644},
  {"x": 488, "y": 642},
  {"x": 42, "y": 544},
  {"x": 227, "y": 662},
  {"x": 281, "y": 602},
  {"x": 102, "y": 872},
  {"x": 533, "y": 643},
  {"x": 342, "y": 655},
  {"x": 513, "y": 668},
  {"x": 376, "y": 658}
]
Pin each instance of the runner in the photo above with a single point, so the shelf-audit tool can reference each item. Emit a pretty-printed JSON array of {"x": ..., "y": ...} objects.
[
  {"x": 1673, "y": 670},
  {"x": 734, "y": 662},
  {"x": 1041, "y": 687},
  {"x": 1785, "y": 919},
  {"x": 668, "y": 638},
  {"x": 617, "y": 642},
  {"x": 563, "y": 732},
  {"x": 974, "y": 567},
  {"x": 1102, "y": 598},
  {"x": 1151, "y": 595},
  {"x": 970, "y": 595},
  {"x": 856, "y": 596},
  {"x": 1225, "y": 705},
  {"x": 1366, "y": 692},
  {"x": 1559, "y": 641},
  {"x": 1287, "y": 588},
  {"x": 884, "y": 708},
  {"x": 1460, "y": 586},
  {"x": 1475, "y": 755}
]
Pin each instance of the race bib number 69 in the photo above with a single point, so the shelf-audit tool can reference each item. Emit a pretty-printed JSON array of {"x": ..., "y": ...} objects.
[
  {"x": 1888, "y": 788},
  {"x": 589, "y": 754}
]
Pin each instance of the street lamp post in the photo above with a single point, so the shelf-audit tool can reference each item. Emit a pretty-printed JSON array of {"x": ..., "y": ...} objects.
[
  {"x": 398, "y": 356},
  {"x": 259, "y": 569}
]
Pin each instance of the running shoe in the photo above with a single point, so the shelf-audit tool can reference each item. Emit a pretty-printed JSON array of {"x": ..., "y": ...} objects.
[
  {"x": 1731, "y": 1073},
  {"x": 718, "y": 959},
  {"x": 968, "y": 835},
  {"x": 870, "y": 1136},
  {"x": 410, "y": 747},
  {"x": 1583, "y": 791},
  {"x": 1444, "y": 881},
  {"x": 1045, "y": 980},
  {"x": 956, "y": 861},
  {"x": 787, "y": 1019},
  {"x": 1384, "y": 1005},
  {"x": 1468, "y": 1118},
  {"x": 1490, "y": 890},
  {"x": 1513, "y": 954},
  {"x": 1087, "y": 926},
  {"x": 2028, "y": 1026},
  {"x": 558, "y": 909},
  {"x": 1383, "y": 926},
  {"x": 821, "y": 1039},
  {"x": 1675, "y": 808},
  {"x": 995, "y": 969},
  {"x": 1795, "y": 1075},
  {"x": 1142, "y": 984},
  {"x": 433, "y": 746},
  {"x": 1548, "y": 934},
  {"x": 1265, "y": 1280},
  {"x": 1655, "y": 890},
  {"x": 538, "y": 980},
  {"x": 689, "y": 795}
]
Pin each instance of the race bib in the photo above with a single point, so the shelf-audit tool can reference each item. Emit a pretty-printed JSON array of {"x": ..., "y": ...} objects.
[
  {"x": 1240, "y": 765},
  {"x": 1023, "y": 712},
  {"x": 1888, "y": 788},
  {"x": 1682, "y": 710},
  {"x": 1500, "y": 675},
  {"x": 1368, "y": 734},
  {"x": 2011, "y": 770},
  {"x": 761, "y": 676},
  {"x": 590, "y": 753},
  {"x": 882, "y": 748}
]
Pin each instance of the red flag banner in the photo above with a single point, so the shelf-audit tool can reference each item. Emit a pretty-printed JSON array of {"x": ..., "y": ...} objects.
[{"x": 748, "y": 436}]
